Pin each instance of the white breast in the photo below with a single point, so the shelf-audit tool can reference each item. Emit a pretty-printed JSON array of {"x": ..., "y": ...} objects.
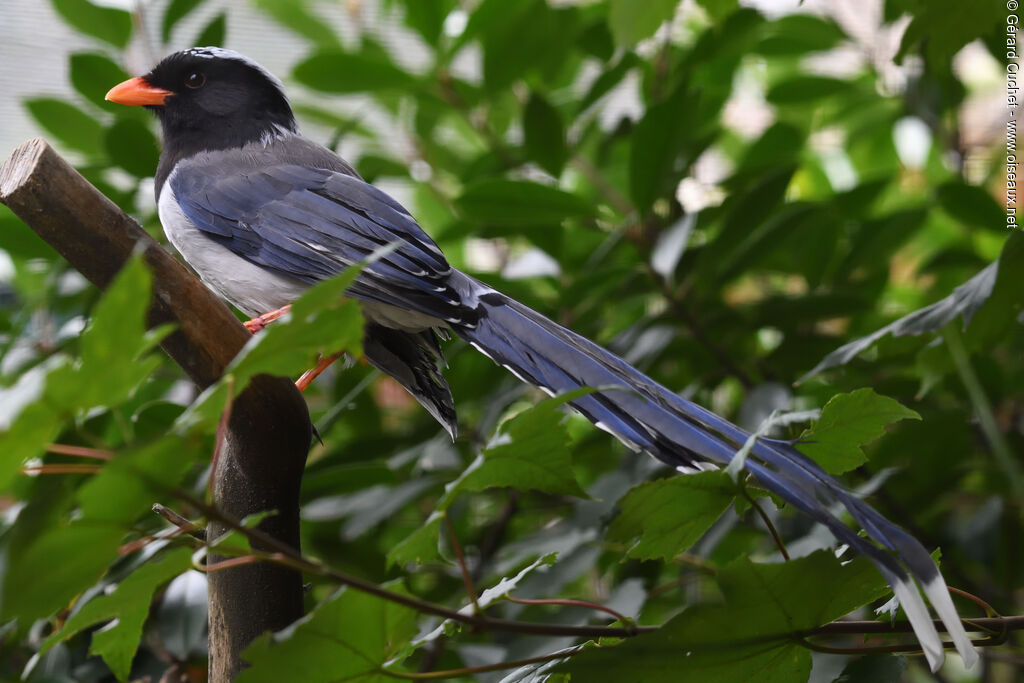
[{"x": 249, "y": 287}]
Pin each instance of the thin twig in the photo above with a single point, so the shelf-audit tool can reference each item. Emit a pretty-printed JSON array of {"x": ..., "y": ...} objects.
[
  {"x": 767, "y": 522},
  {"x": 189, "y": 527},
  {"x": 461, "y": 559},
  {"x": 288, "y": 555},
  {"x": 570, "y": 603},
  {"x": 456, "y": 673},
  {"x": 79, "y": 451}
]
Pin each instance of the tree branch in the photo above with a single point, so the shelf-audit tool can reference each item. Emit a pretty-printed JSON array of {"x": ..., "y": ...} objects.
[{"x": 268, "y": 431}]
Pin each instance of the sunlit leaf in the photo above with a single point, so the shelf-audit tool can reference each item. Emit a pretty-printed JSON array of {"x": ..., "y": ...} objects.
[
  {"x": 109, "y": 24},
  {"x": 73, "y": 127},
  {"x": 347, "y": 72},
  {"x": 631, "y": 22}
]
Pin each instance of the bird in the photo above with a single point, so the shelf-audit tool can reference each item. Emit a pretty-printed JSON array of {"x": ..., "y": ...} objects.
[{"x": 262, "y": 213}]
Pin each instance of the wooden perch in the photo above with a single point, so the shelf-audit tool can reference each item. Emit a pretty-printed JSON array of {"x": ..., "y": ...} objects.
[{"x": 269, "y": 432}]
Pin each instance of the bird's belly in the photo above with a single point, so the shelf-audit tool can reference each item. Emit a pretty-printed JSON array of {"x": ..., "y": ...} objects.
[{"x": 252, "y": 289}]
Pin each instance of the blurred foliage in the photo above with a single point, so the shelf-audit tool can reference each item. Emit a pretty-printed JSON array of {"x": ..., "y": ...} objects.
[{"x": 508, "y": 140}]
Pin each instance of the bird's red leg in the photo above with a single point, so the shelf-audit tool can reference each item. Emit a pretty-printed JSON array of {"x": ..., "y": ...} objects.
[
  {"x": 259, "y": 322},
  {"x": 309, "y": 375}
]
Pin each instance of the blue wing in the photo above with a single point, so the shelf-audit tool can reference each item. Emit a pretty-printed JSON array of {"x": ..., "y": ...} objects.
[{"x": 312, "y": 223}]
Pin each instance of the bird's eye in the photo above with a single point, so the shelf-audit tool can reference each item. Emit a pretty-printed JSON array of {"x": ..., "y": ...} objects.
[{"x": 195, "y": 80}]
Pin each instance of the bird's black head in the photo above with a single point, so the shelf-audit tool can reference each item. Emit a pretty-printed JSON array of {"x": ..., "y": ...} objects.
[{"x": 209, "y": 98}]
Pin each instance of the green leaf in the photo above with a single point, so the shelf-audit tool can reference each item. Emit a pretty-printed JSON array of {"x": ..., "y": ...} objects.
[
  {"x": 521, "y": 37},
  {"x": 497, "y": 592},
  {"x": 325, "y": 645},
  {"x": 419, "y": 547},
  {"x": 719, "y": 9},
  {"x": 93, "y": 74},
  {"x": 519, "y": 202},
  {"x": 348, "y": 72},
  {"x": 129, "y": 483},
  {"x": 296, "y": 15},
  {"x": 749, "y": 638},
  {"x": 529, "y": 451},
  {"x": 322, "y": 321},
  {"x": 992, "y": 292},
  {"x": 175, "y": 12},
  {"x": 805, "y": 89},
  {"x": 129, "y": 605},
  {"x": 632, "y": 21},
  {"x": 670, "y": 515},
  {"x": 945, "y": 26},
  {"x": 427, "y": 18},
  {"x": 55, "y": 567},
  {"x": 847, "y": 422},
  {"x": 874, "y": 669},
  {"x": 214, "y": 32},
  {"x": 70, "y": 125},
  {"x": 544, "y": 134},
  {"x": 656, "y": 144},
  {"x": 106, "y": 23},
  {"x": 971, "y": 205},
  {"x": 132, "y": 146},
  {"x": 796, "y": 34}
]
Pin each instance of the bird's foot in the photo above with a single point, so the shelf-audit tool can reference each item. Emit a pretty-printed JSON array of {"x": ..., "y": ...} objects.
[
  {"x": 309, "y": 375},
  {"x": 259, "y": 322}
]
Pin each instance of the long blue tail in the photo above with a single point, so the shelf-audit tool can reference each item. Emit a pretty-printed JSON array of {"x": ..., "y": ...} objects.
[{"x": 683, "y": 435}]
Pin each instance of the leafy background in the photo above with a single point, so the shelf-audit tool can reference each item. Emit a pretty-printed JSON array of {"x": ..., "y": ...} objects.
[{"x": 728, "y": 258}]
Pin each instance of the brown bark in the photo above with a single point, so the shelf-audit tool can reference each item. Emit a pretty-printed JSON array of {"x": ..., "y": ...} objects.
[{"x": 268, "y": 434}]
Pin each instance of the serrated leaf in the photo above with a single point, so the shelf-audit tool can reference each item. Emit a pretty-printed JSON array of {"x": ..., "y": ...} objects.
[
  {"x": 419, "y": 547},
  {"x": 631, "y": 21},
  {"x": 749, "y": 638},
  {"x": 322, "y": 321},
  {"x": 129, "y": 605},
  {"x": 847, "y": 422},
  {"x": 519, "y": 202},
  {"x": 324, "y": 646},
  {"x": 129, "y": 483},
  {"x": 530, "y": 451},
  {"x": 670, "y": 515},
  {"x": 106, "y": 23},
  {"x": 336, "y": 71},
  {"x": 965, "y": 301},
  {"x": 489, "y": 596},
  {"x": 55, "y": 567}
]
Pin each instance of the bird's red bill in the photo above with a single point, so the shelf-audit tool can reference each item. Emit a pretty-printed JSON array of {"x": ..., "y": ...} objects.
[{"x": 137, "y": 92}]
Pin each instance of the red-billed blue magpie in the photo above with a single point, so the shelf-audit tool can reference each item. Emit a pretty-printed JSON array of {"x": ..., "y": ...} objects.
[{"x": 261, "y": 213}]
